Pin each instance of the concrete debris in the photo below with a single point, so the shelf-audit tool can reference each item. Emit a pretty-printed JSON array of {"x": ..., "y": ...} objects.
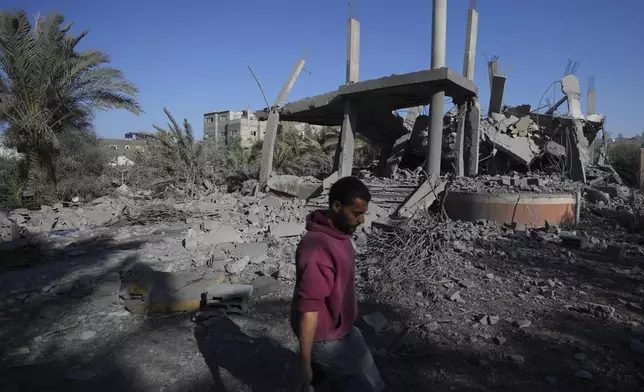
[
  {"x": 376, "y": 321},
  {"x": 596, "y": 196},
  {"x": 271, "y": 201},
  {"x": 584, "y": 374},
  {"x": 249, "y": 187},
  {"x": 500, "y": 340},
  {"x": 601, "y": 311},
  {"x": 523, "y": 324},
  {"x": 518, "y": 359},
  {"x": 287, "y": 229},
  {"x": 573, "y": 241},
  {"x": 265, "y": 285},
  {"x": 238, "y": 266},
  {"x": 302, "y": 188},
  {"x": 256, "y": 251},
  {"x": 286, "y": 271}
]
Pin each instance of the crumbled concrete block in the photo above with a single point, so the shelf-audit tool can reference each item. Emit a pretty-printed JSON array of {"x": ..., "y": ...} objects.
[
  {"x": 302, "y": 188},
  {"x": 265, "y": 285},
  {"x": 523, "y": 323},
  {"x": 500, "y": 340},
  {"x": 612, "y": 191},
  {"x": 596, "y": 196},
  {"x": 376, "y": 321},
  {"x": 518, "y": 359},
  {"x": 286, "y": 271},
  {"x": 9, "y": 231},
  {"x": 238, "y": 266},
  {"x": 574, "y": 241},
  {"x": 221, "y": 235},
  {"x": 287, "y": 229},
  {"x": 209, "y": 225},
  {"x": 552, "y": 227},
  {"x": 601, "y": 311},
  {"x": 254, "y": 250},
  {"x": 271, "y": 201}
]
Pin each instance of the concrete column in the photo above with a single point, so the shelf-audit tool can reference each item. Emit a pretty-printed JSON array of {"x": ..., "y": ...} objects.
[
  {"x": 346, "y": 145},
  {"x": 353, "y": 51},
  {"x": 474, "y": 121},
  {"x": 269, "y": 146},
  {"x": 496, "y": 94},
  {"x": 570, "y": 87},
  {"x": 591, "y": 102},
  {"x": 640, "y": 170},
  {"x": 288, "y": 85},
  {"x": 459, "y": 163},
  {"x": 492, "y": 69},
  {"x": 470, "y": 43},
  {"x": 347, "y": 140},
  {"x": 439, "y": 32}
]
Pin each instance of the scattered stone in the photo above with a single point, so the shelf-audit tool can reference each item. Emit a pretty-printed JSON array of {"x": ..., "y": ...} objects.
[
  {"x": 468, "y": 284},
  {"x": 271, "y": 201},
  {"x": 80, "y": 375},
  {"x": 432, "y": 326},
  {"x": 500, "y": 340},
  {"x": 87, "y": 335},
  {"x": 601, "y": 311},
  {"x": 286, "y": 271},
  {"x": 265, "y": 285},
  {"x": 574, "y": 241},
  {"x": 248, "y": 187},
  {"x": 287, "y": 229},
  {"x": 518, "y": 359},
  {"x": 454, "y": 295},
  {"x": 493, "y": 320},
  {"x": 221, "y": 235},
  {"x": 584, "y": 374},
  {"x": 490, "y": 276},
  {"x": 482, "y": 319},
  {"x": 523, "y": 324},
  {"x": 376, "y": 321},
  {"x": 460, "y": 247},
  {"x": 268, "y": 269},
  {"x": 596, "y": 196},
  {"x": 257, "y": 251},
  {"x": 18, "y": 351},
  {"x": 238, "y": 266},
  {"x": 209, "y": 225}
]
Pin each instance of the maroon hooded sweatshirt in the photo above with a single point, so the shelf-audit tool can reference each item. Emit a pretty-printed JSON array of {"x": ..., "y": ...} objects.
[{"x": 325, "y": 283}]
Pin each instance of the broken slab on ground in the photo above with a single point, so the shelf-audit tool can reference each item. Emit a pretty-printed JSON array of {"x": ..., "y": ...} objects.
[{"x": 300, "y": 187}]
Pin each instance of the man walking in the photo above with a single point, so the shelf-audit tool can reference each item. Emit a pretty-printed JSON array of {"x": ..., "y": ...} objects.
[{"x": 325, "y": 299}]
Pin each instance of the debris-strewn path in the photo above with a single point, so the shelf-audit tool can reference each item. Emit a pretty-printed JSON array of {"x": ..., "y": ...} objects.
[{"x": 503, "y": 309}]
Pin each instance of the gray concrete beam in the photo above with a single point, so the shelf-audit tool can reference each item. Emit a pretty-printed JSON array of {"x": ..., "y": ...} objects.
[
  {"x": 577, "y": 157},
  {"x": 268, "y": 146},
  {"x": 353, "y": 51},
  {"x": 470, "y": 43},
  {"x": 590, "y": 109},
  {"x": 459, "y": 162},
  {"x": 347, "y": 140},
  {"x": 288, "y": 85},
  {"x": 439, "y": 41},
  {"x": 496, "y": 95},
  {"x": 473, "y": 123},
  {"x": 570, "y": 87}
]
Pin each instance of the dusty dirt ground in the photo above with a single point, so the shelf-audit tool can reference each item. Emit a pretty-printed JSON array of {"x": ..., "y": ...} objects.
[{"x": 63, "y": 328}]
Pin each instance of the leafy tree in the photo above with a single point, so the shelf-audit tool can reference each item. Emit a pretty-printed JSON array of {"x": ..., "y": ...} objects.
[{"x": 48, "y": 87}]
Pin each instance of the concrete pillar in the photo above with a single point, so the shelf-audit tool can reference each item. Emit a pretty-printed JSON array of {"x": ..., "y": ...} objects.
[
  {"x": 216, "y": 130},
  {"x": 439, "y": 33},
  {"x": 353, "y": 51},
  {"x": 347, "y": 140},
  {"x": 492, "y": 69},
  {"x": 640, "y": 169},
  {"x": 496, "y": 94},
  {"x": 470, "y": 43},
  {"x": 346, "y": 145},
  {"x": 474, "y": 121},
  {"x": 288, "y": 85},
  {"x": 459, "y": 163},
  {"x": 591, "y": 102},
  {"x": 570, "y": 87},
  {"x": 269, "y": 146}
]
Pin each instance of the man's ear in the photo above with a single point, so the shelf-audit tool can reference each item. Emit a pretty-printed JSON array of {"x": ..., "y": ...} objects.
[{"x": 336, "y": 206}]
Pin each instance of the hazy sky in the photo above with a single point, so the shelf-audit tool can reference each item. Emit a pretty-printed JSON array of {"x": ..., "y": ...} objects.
[{"x": 192, "y": 55}]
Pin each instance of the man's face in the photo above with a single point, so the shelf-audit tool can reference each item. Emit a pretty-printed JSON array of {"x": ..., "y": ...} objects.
[{"x": 347, "y": 218}]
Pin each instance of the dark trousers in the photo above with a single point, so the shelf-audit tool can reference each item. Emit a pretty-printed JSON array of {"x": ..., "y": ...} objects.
[{"x": 346, "y": 363}]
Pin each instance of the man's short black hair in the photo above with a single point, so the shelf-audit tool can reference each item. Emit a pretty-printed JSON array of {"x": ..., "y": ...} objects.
[{"x": 348, "y": 188}]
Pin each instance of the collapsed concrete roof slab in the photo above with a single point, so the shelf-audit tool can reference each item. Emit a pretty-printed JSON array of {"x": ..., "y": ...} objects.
[{"x": 390, "y": 93}]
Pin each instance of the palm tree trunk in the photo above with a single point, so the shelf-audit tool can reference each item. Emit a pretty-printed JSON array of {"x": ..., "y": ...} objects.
[{"x": 33, "y": 168}]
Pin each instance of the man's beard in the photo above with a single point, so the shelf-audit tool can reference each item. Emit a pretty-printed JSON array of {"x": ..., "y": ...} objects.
[{"x": 340, "y": 222}]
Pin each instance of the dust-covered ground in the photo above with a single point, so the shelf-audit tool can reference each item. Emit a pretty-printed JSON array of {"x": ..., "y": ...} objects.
[{"x": 495, "y": 310}]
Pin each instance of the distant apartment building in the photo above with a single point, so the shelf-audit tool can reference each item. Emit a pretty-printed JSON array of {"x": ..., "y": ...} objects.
[
  {"x": 122, "y": 152},
  {"x": 226, "y": 126}
]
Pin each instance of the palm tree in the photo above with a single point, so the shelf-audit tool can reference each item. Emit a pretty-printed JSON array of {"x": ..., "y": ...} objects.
[
  {"x": 364, "y": 153},
  {"x": 182, "y": 157},
  {"x": 48, "y": 87}
]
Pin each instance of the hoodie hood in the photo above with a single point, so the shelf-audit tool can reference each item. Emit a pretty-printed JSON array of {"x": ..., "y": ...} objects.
[{"x": 318, "y": 221}]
